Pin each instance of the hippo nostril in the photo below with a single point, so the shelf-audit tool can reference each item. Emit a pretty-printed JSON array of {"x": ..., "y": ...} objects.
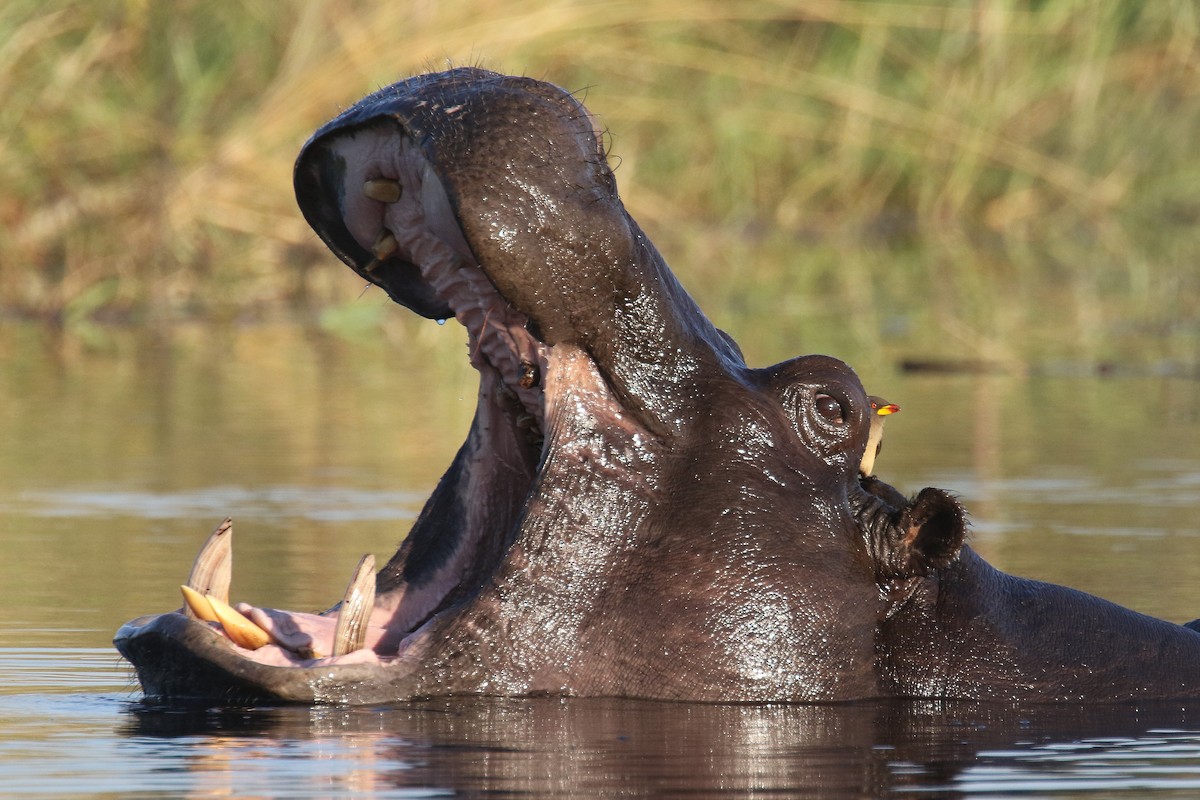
[{"x": 384, "y": 190}]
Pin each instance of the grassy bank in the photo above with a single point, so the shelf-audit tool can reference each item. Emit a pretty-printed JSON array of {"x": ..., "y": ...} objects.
[{"x": 991, "y": 178}]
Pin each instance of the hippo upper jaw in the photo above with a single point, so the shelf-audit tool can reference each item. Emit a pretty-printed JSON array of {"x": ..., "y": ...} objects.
[{"x": 507, "y": 177}]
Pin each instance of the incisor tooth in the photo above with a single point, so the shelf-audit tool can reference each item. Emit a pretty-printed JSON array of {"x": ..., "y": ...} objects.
[
  {"x": 382, "y": 189},
  {"x": 351, "y": 631},
  {"x": 198, "y": 604},
  {"x": 237, "y": 627},
  {"x": 213, "y": 567}
]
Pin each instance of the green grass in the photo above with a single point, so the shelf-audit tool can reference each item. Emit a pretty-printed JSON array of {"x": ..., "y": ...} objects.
[{"x": 1012, "y": 180}]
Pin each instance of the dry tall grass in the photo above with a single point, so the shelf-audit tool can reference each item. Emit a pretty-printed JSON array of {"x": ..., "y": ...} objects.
[{"x": 975, "y": 168}]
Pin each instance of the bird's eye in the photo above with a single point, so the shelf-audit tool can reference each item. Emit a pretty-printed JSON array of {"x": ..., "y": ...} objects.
[{"x": 830, "y": 409}]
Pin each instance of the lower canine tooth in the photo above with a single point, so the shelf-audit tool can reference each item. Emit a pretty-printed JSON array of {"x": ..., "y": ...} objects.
[
  {"x": 237, "y": 627},
  {"x": 351, "y": 631},
  {"x": 213, "y": 567}
]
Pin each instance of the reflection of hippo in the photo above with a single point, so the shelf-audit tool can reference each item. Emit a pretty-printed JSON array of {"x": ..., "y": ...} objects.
[
  {"x": 634, "y": 511},
  {"x": 589, "y": 747}
]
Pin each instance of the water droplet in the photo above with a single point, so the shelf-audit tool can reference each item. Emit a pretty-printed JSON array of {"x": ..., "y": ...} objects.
[{"x": 441, "y": 322}]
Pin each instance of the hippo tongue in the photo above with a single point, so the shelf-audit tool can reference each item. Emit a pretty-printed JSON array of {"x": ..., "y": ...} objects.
[{"x": 206, "y": 596}]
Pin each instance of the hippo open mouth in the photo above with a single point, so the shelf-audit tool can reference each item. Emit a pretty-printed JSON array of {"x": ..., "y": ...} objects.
[{"x": 601, "y": 526}]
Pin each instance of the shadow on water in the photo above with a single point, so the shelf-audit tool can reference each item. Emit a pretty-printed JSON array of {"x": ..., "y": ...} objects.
[{"x": 558, "y": 748}]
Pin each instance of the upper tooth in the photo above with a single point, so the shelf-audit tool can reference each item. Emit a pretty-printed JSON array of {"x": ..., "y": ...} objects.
[
  {"x": 351, "y": 631},
  {"x": 385, "y": 245},
  {"x": 213, "y": 567},
  {"x": 382, "y": 189}
]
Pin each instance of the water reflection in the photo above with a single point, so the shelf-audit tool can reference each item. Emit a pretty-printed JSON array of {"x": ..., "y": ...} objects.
[
  {"x": 561, "y": 748},
  {"x": 1159, "y": 761},
  {"x": 320, "y": 503}
]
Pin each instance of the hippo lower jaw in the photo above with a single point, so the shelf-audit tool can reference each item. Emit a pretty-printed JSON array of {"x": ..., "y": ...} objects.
[
  {"x": 180, "y": 657},
  {"x": 188, "y": 653}
]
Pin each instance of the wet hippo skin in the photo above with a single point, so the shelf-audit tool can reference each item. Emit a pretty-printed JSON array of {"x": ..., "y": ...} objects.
[{"x": 634, "y": 512}]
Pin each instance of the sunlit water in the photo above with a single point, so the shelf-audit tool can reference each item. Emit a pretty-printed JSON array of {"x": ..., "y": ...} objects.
[{"x": 119, "y": 455}]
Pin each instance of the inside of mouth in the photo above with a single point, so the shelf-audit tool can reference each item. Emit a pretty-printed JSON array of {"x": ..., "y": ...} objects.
[{"x": 395, "y": 206}]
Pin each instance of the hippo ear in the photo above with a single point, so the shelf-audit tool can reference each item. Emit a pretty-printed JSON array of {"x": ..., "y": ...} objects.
[{"x": 932, "y": 529}]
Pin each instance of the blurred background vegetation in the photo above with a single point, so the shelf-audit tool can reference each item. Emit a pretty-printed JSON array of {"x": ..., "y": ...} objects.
[{"x": 994, "y": 179}]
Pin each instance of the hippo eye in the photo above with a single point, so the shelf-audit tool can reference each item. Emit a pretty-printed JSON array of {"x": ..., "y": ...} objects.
[{"x": 830, "y": 409}]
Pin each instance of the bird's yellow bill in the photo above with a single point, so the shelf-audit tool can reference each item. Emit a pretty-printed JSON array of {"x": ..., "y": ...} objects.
[{"x": 890, "y": 408}]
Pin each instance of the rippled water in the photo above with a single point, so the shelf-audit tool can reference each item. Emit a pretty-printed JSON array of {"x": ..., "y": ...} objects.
[{"x": 120, "y": 455}]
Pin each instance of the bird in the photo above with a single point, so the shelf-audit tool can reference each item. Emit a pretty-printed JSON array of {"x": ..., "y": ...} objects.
[{"x": 880, "y": 409}]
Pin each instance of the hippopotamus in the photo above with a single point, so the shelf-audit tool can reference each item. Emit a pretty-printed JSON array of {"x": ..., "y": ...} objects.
[{"x": 635, "y": 511}]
